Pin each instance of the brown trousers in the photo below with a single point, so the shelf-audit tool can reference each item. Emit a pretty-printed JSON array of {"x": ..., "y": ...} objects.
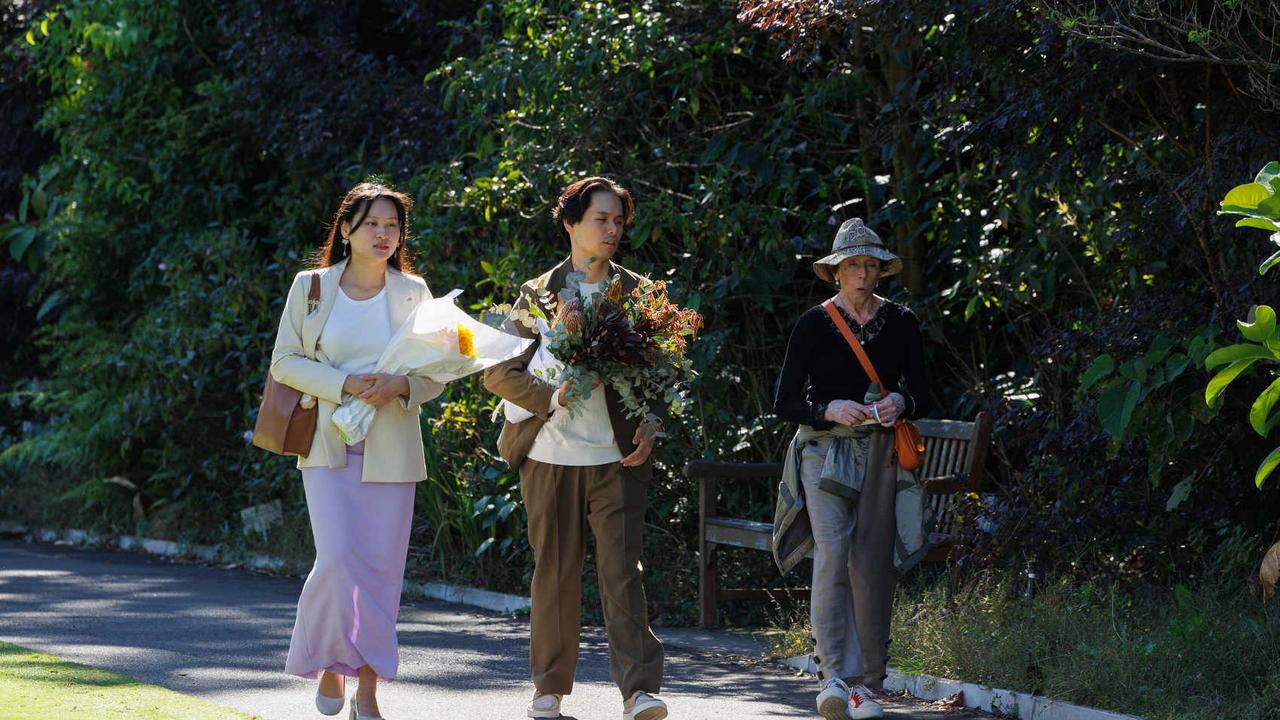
[{"x": 561, "y": 501}]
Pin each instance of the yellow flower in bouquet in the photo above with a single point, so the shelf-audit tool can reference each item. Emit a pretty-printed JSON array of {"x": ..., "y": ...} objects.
[{"x": 466, "y": 341}]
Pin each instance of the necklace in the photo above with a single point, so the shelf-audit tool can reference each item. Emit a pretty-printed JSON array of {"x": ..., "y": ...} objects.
[{"x": 876, "y": 304}]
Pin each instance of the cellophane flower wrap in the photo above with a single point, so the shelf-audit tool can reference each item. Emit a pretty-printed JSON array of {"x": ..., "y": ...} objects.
[
  {"x": 438, "y": 341},
  {"x": 633, "y": 341}
]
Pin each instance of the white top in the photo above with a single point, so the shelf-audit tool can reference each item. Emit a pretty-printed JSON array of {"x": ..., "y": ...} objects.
[
  {"x": 583, "y": 437},
  {"x": 357, "y": 332}
]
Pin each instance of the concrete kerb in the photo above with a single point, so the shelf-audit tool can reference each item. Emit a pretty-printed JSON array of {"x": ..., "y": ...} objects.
[
  {"x": 483, "y": 599},
  {"x": 1003, "y": 703}
]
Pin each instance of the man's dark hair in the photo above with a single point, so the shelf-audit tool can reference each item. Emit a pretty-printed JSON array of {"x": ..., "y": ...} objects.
[{"x": 576, "y": 198}]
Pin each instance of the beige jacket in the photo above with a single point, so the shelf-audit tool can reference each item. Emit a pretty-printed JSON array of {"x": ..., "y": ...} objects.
[{"x": 393, "y": 450}]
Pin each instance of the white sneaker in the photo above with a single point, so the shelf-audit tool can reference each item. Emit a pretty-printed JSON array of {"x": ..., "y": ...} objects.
[
  {"x": 833, "y": 700},
  {"x": 861, "y": 704},
  {"x": 544, "y": 706},
  {"x": 643, "y": 706}
]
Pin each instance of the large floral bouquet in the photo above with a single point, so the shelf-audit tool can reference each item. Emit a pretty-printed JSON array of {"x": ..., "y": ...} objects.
[{"x": 634, "y": 341}]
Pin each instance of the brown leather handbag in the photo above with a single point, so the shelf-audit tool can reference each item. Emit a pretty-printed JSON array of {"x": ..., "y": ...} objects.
[
  {"x": 284, "y": 426},
  {"x": 907, "y": 442}
]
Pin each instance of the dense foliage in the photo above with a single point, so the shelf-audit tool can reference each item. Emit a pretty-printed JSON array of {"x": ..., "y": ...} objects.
[{"x": 1054, "y": 199}]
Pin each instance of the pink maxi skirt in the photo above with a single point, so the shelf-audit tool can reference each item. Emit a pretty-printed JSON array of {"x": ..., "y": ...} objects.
[{"x": 349, "y": 604}]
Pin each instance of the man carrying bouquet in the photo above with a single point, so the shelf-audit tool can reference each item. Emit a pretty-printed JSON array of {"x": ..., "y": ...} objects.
[{"x": 580, "y": 466}]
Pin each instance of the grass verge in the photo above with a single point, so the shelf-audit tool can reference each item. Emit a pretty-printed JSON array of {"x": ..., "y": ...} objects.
[
  {"x": 1164, "y": 654},
  {"x": 43, "y": 686}
]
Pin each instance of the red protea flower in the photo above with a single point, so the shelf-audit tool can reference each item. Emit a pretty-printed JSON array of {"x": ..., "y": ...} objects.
[{"x": 572, "y": 316}]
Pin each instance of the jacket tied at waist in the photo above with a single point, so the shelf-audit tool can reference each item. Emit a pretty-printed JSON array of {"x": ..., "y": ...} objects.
[{"x": 857, "y": 455}]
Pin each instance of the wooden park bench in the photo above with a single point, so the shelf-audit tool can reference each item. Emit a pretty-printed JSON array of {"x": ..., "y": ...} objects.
[{"x": 955, "y": 453}]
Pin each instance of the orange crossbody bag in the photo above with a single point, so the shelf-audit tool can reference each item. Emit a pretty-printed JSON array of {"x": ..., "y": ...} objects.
[{"x": 907, "y": 442}]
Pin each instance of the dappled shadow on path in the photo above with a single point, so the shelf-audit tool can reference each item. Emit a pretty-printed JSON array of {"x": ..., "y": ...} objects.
[{"x": 212, "y": 631}]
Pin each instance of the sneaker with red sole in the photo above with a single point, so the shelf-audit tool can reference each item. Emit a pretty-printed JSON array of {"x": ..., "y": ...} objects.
[
  {"x": 837, "y": 701},
  {"x": 862, "y": 704}
]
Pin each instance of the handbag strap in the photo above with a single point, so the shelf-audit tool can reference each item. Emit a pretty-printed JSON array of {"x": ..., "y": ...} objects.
[
  {"x": 313, "y": 302},
  {"x": 850, "y": 338},
  {"x": 313, "y": 295}
]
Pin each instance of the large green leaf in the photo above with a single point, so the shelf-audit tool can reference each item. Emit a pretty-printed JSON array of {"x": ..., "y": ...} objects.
[
  {"x": 1156, "y": 355},
  {"x": 20, "y": 238},
  {"x": 1251, "y": 211},
  {"x": 1098, "y": 369},
  {"x": 1268, "y": 464},
  {"x": 1116, "y": 406},
  {"x": 1260, "y": 412},
  {"x": 1271, "y": 206},
  {"x": 1174, "y": 366},
  {"x": 1269, "y": 263},
  {"x": 1246, "y": 196},
  {"x": 1268, "y": 174},
  {"x": 1218, "y": 384},
  {"x": 1263, "y": 325},
  {"x": 1232, "y": 353},
  {"x": 1133, "y": 370},
  {"x": 1180, "y": 493},
  {"x": 1260, "y": 223}
]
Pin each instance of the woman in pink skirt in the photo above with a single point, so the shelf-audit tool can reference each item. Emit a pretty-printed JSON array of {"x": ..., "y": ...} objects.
[{"x": 360, "y": 498}]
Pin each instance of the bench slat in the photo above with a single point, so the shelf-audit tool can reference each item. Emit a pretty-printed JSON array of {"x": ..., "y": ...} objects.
[
  {"x": 712, "y": 469},
  {"x": 954, "y": 429},
  {"x": 754, "y": 535},
  {"x": 740, "y": 524},
  {"x": 740, "y": 533}
]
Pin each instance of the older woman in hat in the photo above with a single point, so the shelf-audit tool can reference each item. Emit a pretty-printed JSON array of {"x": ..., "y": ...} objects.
[{"x": 844, "y": 495}]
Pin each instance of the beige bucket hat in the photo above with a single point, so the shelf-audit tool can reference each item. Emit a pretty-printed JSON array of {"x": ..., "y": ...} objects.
[{"x": 855, "y": 238}]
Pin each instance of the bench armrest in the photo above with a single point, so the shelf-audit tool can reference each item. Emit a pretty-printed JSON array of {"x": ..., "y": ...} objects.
[
  {"x": 715, "y": 470},
  {"x": 946, "y": 485}
]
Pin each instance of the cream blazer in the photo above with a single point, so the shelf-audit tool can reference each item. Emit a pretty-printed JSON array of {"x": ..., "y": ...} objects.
[{"x": 393, "y": 450}]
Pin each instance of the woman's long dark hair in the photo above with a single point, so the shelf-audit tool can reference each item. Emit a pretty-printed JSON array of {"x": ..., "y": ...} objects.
[{"x": 352, "y": 210}]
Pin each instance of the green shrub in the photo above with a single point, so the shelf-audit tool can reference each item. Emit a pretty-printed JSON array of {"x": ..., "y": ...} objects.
[{"x": 197, "y": 162}]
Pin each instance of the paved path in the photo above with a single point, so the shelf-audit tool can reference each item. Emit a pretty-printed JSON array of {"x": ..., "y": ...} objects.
[{"x": 222, "y": 635}]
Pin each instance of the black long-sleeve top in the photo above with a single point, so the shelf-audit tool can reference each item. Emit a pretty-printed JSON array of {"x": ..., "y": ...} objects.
[{"x": 818, "y": 357}]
